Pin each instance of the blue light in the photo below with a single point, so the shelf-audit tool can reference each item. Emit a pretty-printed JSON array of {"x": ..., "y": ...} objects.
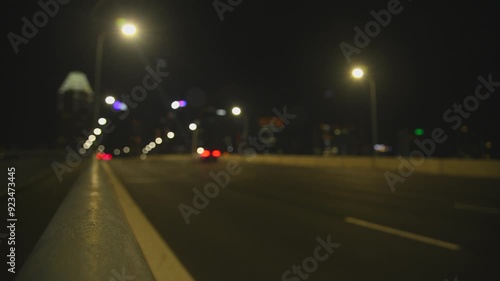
[{"x": 182, "y": 103}]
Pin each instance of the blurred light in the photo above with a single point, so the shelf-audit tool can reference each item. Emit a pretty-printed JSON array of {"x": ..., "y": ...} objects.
[
  {"x": 143, "y": 156},
  {"x": 230, "y": 149},
  {"x": 116, "y": 151},
  {"x": 419, "y": 132},
  {"x": 145, "y": 151},
  {"x": 148, "y": 148},
  {"x": 97, "y": 131},
  {"x": 109, "y": 100},
  {"x": 129, "y": 29},
  {"x": 205, "y": 153},
  {"x": 99, "y": 155},
  {"x": 335, "y": 150},
  {"x": 170, "y": 135},
  {"x": 152, "y": 145},
  {"x": 216, "y": 153},
  {"x": 92, "y": 138},
  {"x": 126, "y": 149},
  {"x": 102, "y": 121},
  {"x": 200, "y": 150},
  {"x": 236, "y": 111},
  {"x": 337, "y": 132},
  {"x": 175, "y": 105},
  {"x": 357, "y": 73},
  {"x": 192, "y": 126},
  {"x": 182, "y": 103},
  {"x": 107, "y": 156},
  {"x": 82, "y": 150},
  {"x": 158, "y": 140},
  {"x": 101, "y": 147},
  {"x": 220, "y": 112},
  {"x": 382, "y": 148},
  {"x": 86, "y": 146},
  {"x": 488, "y": 144}
]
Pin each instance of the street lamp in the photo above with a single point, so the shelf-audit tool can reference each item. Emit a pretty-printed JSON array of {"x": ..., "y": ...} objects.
[
  {"x": 358, "y": 73},
  {"x": 128, "y": 30},
  {"x": 236, "y": 111}
]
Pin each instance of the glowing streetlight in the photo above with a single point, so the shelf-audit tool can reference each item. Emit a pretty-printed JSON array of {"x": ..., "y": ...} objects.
[
  {"x": 236, "y": 111},
  {"x": 175, "y": 105},
  {"x": 110, "y": 100},
  {"x": 170, "y": 135},
  {"x": 129, "y": 29},
  {"x": 192, "y": 126},
  {"x": 358, "y": 73},
  {"x": 158, "y": 140},
  {"x": 97, "y": 131},
  {"x": 102, "y": 121}
]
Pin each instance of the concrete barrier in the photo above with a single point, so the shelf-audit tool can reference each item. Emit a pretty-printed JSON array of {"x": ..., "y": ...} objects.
[
  {"x": 483, "y": 168},
  {"x": 88, "y": 238}
]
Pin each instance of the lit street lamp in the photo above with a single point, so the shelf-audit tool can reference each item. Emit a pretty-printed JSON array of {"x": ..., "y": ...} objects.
[
  {"x": 236, "y": 111},
  {"x": 358, "y": 73},
  {"x": 127, "y": 30}
]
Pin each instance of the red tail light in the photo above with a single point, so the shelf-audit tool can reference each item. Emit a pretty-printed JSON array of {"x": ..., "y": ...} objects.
[
  {"x": 216, "y": 153},
  {"x": 205, "y": 153}
]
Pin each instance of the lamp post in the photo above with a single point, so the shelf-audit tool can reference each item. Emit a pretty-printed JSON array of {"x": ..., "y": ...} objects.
[
  {"x": 236, "y": 111},
  {"x": 358, "y": 73},
  {"x": 127, "y": 30}
]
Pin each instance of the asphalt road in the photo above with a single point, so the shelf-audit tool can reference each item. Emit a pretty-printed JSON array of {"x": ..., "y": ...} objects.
[{"x": 270, "y": 219}]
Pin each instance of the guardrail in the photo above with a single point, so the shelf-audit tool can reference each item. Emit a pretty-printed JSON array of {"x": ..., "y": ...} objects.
[{"x": 88, "y": 238}]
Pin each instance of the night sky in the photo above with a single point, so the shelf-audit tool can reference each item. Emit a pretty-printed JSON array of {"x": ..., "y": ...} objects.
[{"x": 264, "y": 54}]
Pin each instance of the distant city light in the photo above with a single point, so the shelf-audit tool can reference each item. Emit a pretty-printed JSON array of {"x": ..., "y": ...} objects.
[
  {"x": 145, "y": 151},
  {"x": 92, "y": 138},
  {"x": 419, "y": 132},
  {"x": 182, "y": 103},
  {"x": 118, "y": 105},
  {"x": 143, "y": 156},
  {"x": 200, "y": 150},
  {"x": 152, "y": 145},
  {"x": 102, "y": 121},
  {"x": 97, "y": 131},
  {"x": 220, "y": 112},
  {"x": 170, "y": 135},
  {"x": 192, "y": 126},
  {"x": 110, "y": 100},
  {"x": 82, "y": 150},
  {"x": 101, "y": 148},
  {"x": 86, "y": 145},
  {"x": 126, "y": 149},
  {"x": 382, "y": 148},
  {"x": 148, "y": 148},
  {"x": 236, "y": 111},
  {"x": 175, "y": 105},
  {"x": 116, "y": 151},
  {"x": 158, "y": 140}
]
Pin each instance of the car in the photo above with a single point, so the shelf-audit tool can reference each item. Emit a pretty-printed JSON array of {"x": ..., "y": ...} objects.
[{"x": 209, "y": 155}]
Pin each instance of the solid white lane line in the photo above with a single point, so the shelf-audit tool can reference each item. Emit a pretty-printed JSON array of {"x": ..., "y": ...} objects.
[
  {"x": 476, "y": 208},
  {"x": 402, "y": 233},
  {"x": 161, "y": 259}
]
